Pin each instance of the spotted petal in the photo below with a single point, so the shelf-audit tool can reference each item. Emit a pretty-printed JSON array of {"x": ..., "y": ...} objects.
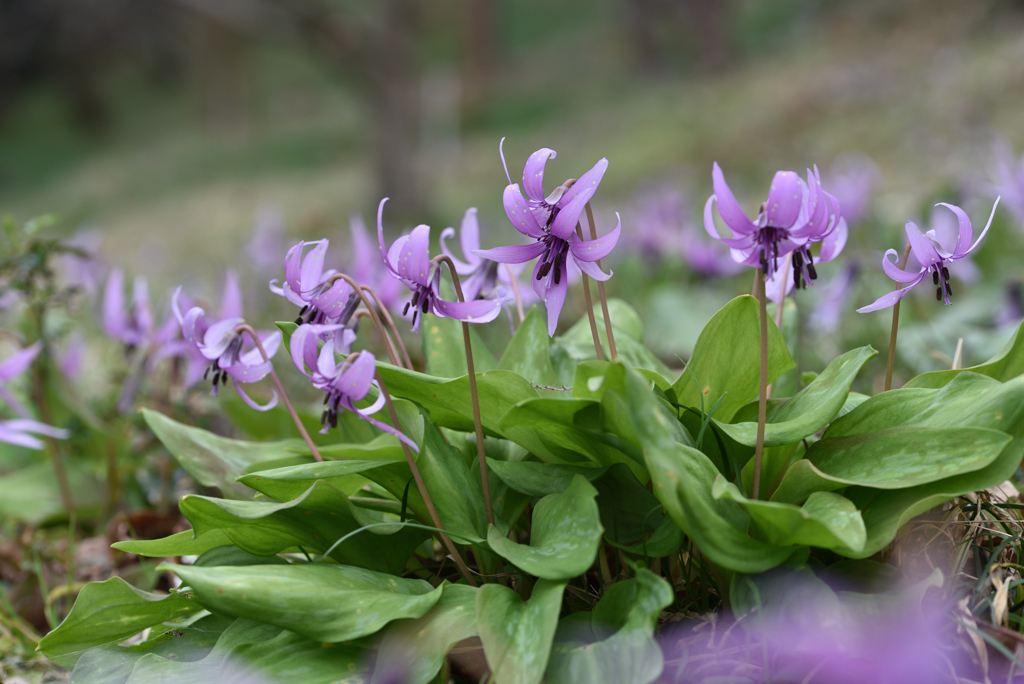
[
  {"x": 785, "y": 199},
  {"x": 575, "y": 199},
  {"x": 554, "y": 300},
  {"x": 834, "y": 243},
  {"x": 592, "y": 250},
  {"x": 744, "y": 241},
  {"x": 728, "y": 207},
  {"x": 533, "y": 173},
  {"x": 513, "y": 254},
  {"x": 923, "y": 248},
  {"x": 355, "y": 380},
  {"x": 518, "y": 211}
]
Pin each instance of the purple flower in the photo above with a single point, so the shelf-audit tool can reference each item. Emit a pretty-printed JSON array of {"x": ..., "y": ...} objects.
[
  {"x": 852, "y": 180},
  {"x": 795, "y": 215},
  {"x": 932, "y": 257},
  {"x": 134, "y": 325},
  {"x": 221, "y": 344},
  {"x": 268, "y": 240},
  {"x": 365, "y": 269},
  {"x": 551, "y": 221},
  {"x": 1008, "y": 181},
  {"x": 323, "y": 301},
  {"x": 831, "y": 246},
  {"x": 828, "y": 312},
  {"x": 408, "y": 260},
  {"x": 18, "y": 431},
  {"x": 345, "y": 384},
  {"x": 13, "y": 366}
]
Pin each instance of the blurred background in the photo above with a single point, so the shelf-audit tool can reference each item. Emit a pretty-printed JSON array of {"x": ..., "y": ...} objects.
[{"x": 176, "y": 138}]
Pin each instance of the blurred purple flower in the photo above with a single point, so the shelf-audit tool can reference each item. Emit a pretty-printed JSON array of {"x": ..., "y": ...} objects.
[
  {"x": 267, "y": 240},
  {"x": 835, "y": 295},
  {"x": 83, "y": 270},
  {"x": 70, "y": 358},
  {"x": 1008, "y": 181},
  {"x": 932, "y": 258},
  {"x": 13, "y": 366},
  {"x": 19, "y": 431},
  {"x": 222, "y": 345},
  {"x": 344, "y": 384},
  {"x": 1012, "y": 310},
  {"x": 944, "y": 229},
  {"x": 408, "y": 261},
  {"x": 365, "y": 269},
  {"x": 852, "y": 179},
  {"x": 551, "y": 221}
]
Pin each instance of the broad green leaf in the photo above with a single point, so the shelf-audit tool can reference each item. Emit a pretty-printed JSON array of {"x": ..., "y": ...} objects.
[
  {"x": 232, "y": 555},
  {"x": 628, "y": 511},
  {"x": 314, "y": 521},
  {"x": 107, "y": 612},
  {"x": 180, "y": 544},
  {"x": 827, "y": 519},
  {"x": 445, "y": 350},
  {"x": 214, "y": 461},
  {"x": 727, "y": 359},
  {"x": 1004, "y": 366},
  {"x": 289, "y": 482},
  {"x": 329, "y": 603},
  {"x": 516, "y": 636},
  {"x": 413, "y": 650},
  {"x": 629, "y": 609},
  {"x": 540, "y": 479},
  {"x": 565, "y": 532},
  {"x": 31, "y": 495},
  {"x": 811, "y": 409},
  {"x": 456, "y": 493},
  {"x": 529, "y": 352},
  {"x": 276, "y": 424},
  {"x": 578, "y": 341}
]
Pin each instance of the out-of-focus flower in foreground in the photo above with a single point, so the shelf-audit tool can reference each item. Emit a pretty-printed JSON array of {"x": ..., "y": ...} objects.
[
  {"x": 852, "y": 179},
  {"x": 364, "y": 266},
  {"x": 932, "y": 257},
  {"x": 20, "y": 431}
]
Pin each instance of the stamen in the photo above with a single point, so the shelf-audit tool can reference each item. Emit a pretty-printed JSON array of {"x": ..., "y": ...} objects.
[
  {"x": 558, "y": 274},
  {"x": 543, "y": 270},
  {"x": 812, "y": 271},
  {"x": 945, "y": 273},
  {"x": 949, "y": 291},
  {"x": 938, "y": 294},
  {"x": 935, "y": 277},
  {"x": 406, "y": 309}
]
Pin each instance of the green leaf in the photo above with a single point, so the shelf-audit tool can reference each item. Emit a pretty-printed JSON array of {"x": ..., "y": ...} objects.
[
  {"x": 529, "y": 352},
  {"x": 1004, "y": 366},
  {"x": 288, "y": 482},
  {"x": 107, "y": 612},
  {"x": 629, "y": 609},
  {"x": 811, "y": 409},
  {"x": 564, "y": 535},
  {"x": 314, "y": 520},
  {"x": 329, "y": 603},
  {"x": 540, "y": 479},
  {"x": 413, "y": 651},
  {"x": 827, "y": 519},
  {"x": 516, "y": 636},
  {"x": 31, "y": 495},
  {"x": 214, "y": 461},
  {"x": 578, "y": 341},
  {"x": 456, "y": 493},
  {"x": 727, "y": 359},
  {"x": 180, "y": 544},
  {"x": 445, "y": 350},
  {"x": 628, "y": 511}
]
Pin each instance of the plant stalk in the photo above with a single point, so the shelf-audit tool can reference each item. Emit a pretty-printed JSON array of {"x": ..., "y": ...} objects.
[
  {"x": 358, "y": 289},
  {"x": 477, "y": 424},
  {"x": 895, "y": 326},
  {"x": 590, "y": 306},
  {"x": 600, "y": 289},
  {"x": 782, "y": 300},
  {"x": 422, "y": 487},
  {"x": 246, "y": 328},
  {"x": 762, "y": 400},
  {"x": 51, "y": 444},
  {"x": 391, "y": 324}
]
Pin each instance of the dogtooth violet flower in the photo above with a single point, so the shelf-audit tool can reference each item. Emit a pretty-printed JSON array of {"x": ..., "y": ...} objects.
[
  {"x": 551, "y": 222},
  {"x": 408, "y": 261},
  {"x": 831, "y": 246},
  {"x": 481, "y": 278},
  {"x": 133, "y": 325},
  {"x": 932, "y": 257},
  {"x": 364, "y": 266},
  {"x": 19, "y": 431},
  {"x": 344, "y": 383},
  {"x": 795, "y": 215},
  {"x": 222, "y": 345}
]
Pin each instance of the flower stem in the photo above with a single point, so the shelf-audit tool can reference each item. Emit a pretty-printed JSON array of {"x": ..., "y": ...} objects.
[
  {"x": 958, "y": 355},
  {"x": 391, "y": 324},
  {"x": 477, "y": 425},
  {"x": 246, "y": 328},
  {"x": 423, "y": 487},
  {"x": 600, "y": 289},
  {"x": 590, "y": 307},
  {"x": 895, "y": 326},
  {"x": 762, "y": 400},
  {"x": 356, "y": 287},
  {"x": 514, "y": 282},
  {"x": 782, "y": 300}
]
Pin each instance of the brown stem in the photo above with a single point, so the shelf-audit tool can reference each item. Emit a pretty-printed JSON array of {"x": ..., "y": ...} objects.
[
  {"x": 895, "y": 325},
  {"x": 51, "y": 444},
  {"x": 358, "y": 289},
  {"x": 423, "y": 487},
  {"x": 363, "y": 313},
  {"x": 782, "y": 300},
  {"x": 600, "y": 289},
  {"x": 477, "y": 425},
  {"x": 514, "y": 281},
  {"x": 590, "y": 306},
  {"x": 762, "y": 400},
  {"x": 246, "y": 328},
  {"x": 391, "y": 324}
]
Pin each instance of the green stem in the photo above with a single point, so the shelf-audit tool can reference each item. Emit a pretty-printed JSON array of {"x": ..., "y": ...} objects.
[
  {"x": 600, "y": 289},
  {"x": 895, "y": 326},
  {"x": 762, "y": 400},
  {"x": 590, "y": 307}
]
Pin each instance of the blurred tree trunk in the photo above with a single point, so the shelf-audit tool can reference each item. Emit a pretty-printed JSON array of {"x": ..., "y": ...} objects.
[{"x": 479, "y": 42}]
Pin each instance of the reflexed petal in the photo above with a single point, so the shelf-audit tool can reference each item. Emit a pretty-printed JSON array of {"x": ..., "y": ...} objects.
[
  {"x": 513, "y": 254},
  {"x": 469, "y": 233},
  {"x": 16, "y": 363},
  {"x": 966, "y": 232},
  {"x": 750, "y": 257},
  {"x": 252, "y": 402},
  {"x": 728, "y": 207},
  {"x": 834, "y": 243},
  {"x": 193, "y": 327},
  {"x": 293, "y": 267},
  {"x": 115, "y": 323},
  {"x": 355, "y": 380},
  {"x": 37, "y": 427},
  {"x": 887, "y": 300},
  {"x": 218, "y": 336},
  {"x": 478, "y": 311},
  {"x": 518, "y": 211},
  {"x": 246, "y": 373},
  {"x": 303, "y": 347},
  {"x": 311, "y": 272},
  {"x": 987, "y": 226},
  {"x": 553, "y": 301},
  {"x": 592, "y": 269},
  {"x": 784, "y": 199},
  {"x": 333, "y": 302},
  {"x": 924, "y": 250},
  {"x": 385, "y": 427},
  {"x": 461, "y": 267},
  {"x": 575, "y": 199},
  {"x": 140, "y": 305},
  {"x": 741, "y": 242},
  {"x": 326, "y": 364},
  {"x": 533, "y": 173},
  {"x": 414, "y": 257},
  {"x": 231, "y": 304},
  {"x": 271, "y": 342},
  {"x": 592, "y": 250},
  {"x": 385, "y": 255}
]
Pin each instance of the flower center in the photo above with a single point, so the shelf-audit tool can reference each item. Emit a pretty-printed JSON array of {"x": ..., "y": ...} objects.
[
  {"x": 554, "y": 258},
  {"x": 768, "y": 238},
  {"x": 940, "y": 278},
  {"x": 803, "y": 268},
  {"x": 229, "y": 357}
]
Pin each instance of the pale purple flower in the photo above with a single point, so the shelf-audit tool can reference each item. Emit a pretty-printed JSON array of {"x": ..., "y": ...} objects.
[
  {"x": 13, "y": 366},
  {"x": 267, "y": 240},
  {"x": 944, "y": 229},
  {"x": 852, "y": 179},
  {"x": 19, "y": 431},
  {"x": 223, "y": 346},
  {"x": 551, "y": 221},
  {"x": 365, "y": 268},
  {"x": 795, "y": 215},
  {"x": 69, "y": 360},
  {"x": 932, "y": 257},
  {"x": 133, "y": 325},
  {"x": 831, "y": 246},
  {"x": 1008, "y": 181},
  {"x": 344, "y": 384},
  {"x": 835, "y": 295},
  {"x": 408, "y": 261}
]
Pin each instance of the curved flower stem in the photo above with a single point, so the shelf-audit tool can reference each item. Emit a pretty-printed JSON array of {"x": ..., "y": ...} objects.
[
  {"x": 782, "y": 300},
  {"x": 590, "y": 306},
  {"x": 600, "y": 289},
  {"x": 762, "y": 400},
  {"x": 423, "y": 487},
  {"x": 356, "y": 287},
  {"x": 477, "y": 425},
  {"x": 363, "y": 313},
  {"x": 246, "y": 328},
  {"x": 391, "y": 324},
  {"x": 514, "y": 282},
  {"x": 895, "y": 325}
]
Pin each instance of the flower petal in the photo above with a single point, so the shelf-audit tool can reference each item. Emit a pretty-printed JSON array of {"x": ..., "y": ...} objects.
[
  {"x": 518, "y": 211},
  {"x": 533, "y": 173},
  {"x": 834, "y": 242},
  {"x": 592, "y": 269},
  {"x": 355, "y": 380},
  {"x": 742, "y": 242},
  {"x": 966, "y": 230},
  {"x": 248, "y": 373},
  {"x": 575, "y": 199},
  {"x": 16, "y": 363},
  {"x": 887, "y": 300},
  {"x": 386, "y": 428},
  {"x": 252, "y": 402},
  {"x": 554, "y": 299},
  {"x": 231, "y": 303},
  {"x": 924, "y": 250},
  {"x": 469, "y": 232},
  {"x": 461, "y": 267},
  {"x": 785, "y": 199},
  {"x": 115, "y": 323},
  {"x": 592, "y": 250},
  {"x": 987, "y": 226},
  {"x": 414, "y": 256},
  {"x": 477, "y": 311},
  {"x": 773, "y": 285},
  {"x": 513, "y": 254},
  {"x": 312, "y": 269},
  {"x": 218, "y": 336},
  {"x": 728, "y": 207}
]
